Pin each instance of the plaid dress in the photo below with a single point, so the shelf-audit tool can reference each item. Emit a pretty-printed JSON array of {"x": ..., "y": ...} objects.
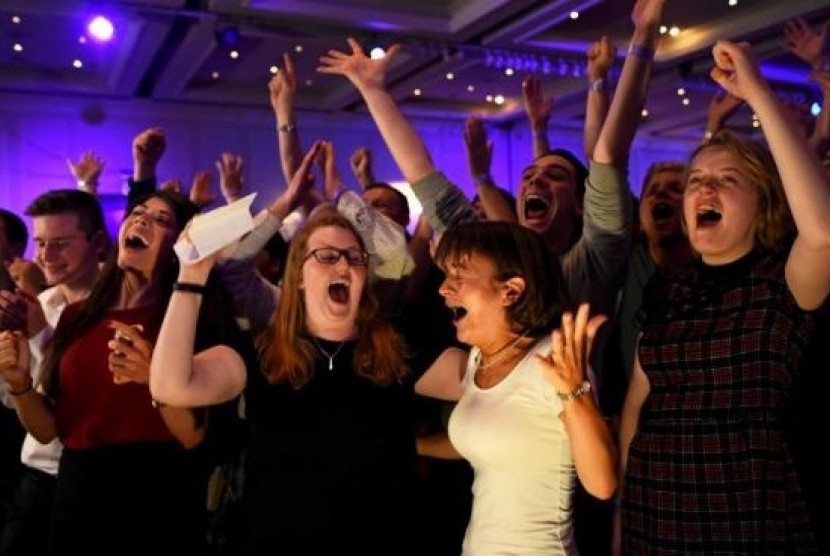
[{"x": 709, "y": 470}]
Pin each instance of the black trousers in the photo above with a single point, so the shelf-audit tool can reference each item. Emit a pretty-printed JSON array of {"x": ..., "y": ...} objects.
[{"x": 26, "y": 531}]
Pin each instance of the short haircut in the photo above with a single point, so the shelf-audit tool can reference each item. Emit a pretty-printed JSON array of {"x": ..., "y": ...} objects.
[
  {"x": 515, "y": 251},
  {"x": 17, "y": 235},
  {"x": 663, "y": 166},
  {"x": 404, "y": 202},
  {"x": 61, "y": 201}
]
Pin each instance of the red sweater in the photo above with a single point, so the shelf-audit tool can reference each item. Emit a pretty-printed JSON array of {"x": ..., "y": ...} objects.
[{"x": 91, "y": 410}]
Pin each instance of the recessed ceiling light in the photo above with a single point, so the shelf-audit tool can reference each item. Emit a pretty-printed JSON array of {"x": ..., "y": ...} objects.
[
  {"x": 663, "y": 29},
  {"x": 686, "y": 101},
  {"x": 77, "y": 64},
  {"x": 508, "y": 72},
  {"x": 644, "y": 112},
  {"x": 674, "y": 30},
  {"x": 733, "y": 2},
  {"x": 377, "y": 53},
  {"x": 17, "y": 47},
  {"x": 417, "y": 92},
  {"x": 450, "y": 76},
  {"x": 498, "y": 99},
  {"x": 82, "y": 39},
  {"x": 489, "y": 98},
  {"x": 298, "y": 48},
  {"x": 574, "y": 15},
  {"x": 308, "y": 82},
  {"x": 16, "y": 19},
  {"x": 815, "y": 109},
  {"x": 274, "y": 70},
  {"x": 214, "y": 75},
  {"x": 101, "y": 28},
  {"x": 234, "y": 54},
  {"x": 470, "y": 88},
  {"x": 681, "y": 91},
  {"x": 756, "y": 123}
]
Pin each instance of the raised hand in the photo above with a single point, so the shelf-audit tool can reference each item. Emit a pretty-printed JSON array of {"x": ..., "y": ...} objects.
[
  {"x": 538, "y": 107},
  {"x": 362, "y": 71},
  {"x": 804, "y": 42},
  {"x": 130, "y": 352},
  {"x": 736, "y": 70},
  {"x": 647, "y": 14},
  {"x": 601, "y": 56},
  {"x": 200, "y": 190},
  {"x": 88, "y": 169},
  {"x": 361, "y": 164},
  {"x": 173, "y": 185},
  {"x": 148, "y": 148},
  {"x": 479, "y": 149},
  {"x": 298, "y": 188},
  {"x": 722, "y": 106},
  {"x": 566, "y": 368},
  {"x": 283, "y": 87},
  {"x": 332, "y": 182},
  {"x": 231, "y": 180}
]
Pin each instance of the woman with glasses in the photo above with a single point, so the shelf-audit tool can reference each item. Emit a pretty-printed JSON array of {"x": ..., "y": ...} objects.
[{"x": 332, "y": 450}]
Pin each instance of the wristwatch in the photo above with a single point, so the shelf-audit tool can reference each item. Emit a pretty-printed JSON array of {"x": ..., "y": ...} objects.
[{"x": 577, "y": 392}]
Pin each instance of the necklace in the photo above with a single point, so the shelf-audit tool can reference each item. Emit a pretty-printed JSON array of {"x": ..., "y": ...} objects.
[
  {"x": 499, "y": 354},
  {"x": 331, "y": 356}
]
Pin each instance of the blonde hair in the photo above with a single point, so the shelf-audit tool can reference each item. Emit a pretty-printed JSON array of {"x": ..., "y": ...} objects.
[
  {"x": 774, "y": 225},
  {"x": 287, "y": 353}
]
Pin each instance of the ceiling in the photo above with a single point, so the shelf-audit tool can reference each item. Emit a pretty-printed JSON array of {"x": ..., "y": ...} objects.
[{"x": 168, "y": 50}]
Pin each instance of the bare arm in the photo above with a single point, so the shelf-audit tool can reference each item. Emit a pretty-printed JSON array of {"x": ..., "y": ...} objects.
[
  {"x": 479, "y": 156},
  {"x": 624, "y": 115},
  {"x": 566, "y": 369},
  {"x": 601, "y": 56},
  {"x": 367, "y": 76},
  {"x": 538, "y": 108},
  {"x": 805, "y": 185},
  {"x": 282, "y": 88}
]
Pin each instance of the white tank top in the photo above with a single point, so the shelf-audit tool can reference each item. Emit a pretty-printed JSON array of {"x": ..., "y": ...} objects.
[{"x": 516, "y": 442}]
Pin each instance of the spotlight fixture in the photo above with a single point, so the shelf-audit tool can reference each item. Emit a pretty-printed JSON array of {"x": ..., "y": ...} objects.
[
  {"x": 227, "y": 36},
  {"x": 377, "y": 53},
  {"x": 100, "y": 28}
]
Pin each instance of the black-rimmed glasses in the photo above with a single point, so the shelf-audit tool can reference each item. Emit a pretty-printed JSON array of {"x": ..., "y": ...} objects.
[{"x": 331, "y": 256}]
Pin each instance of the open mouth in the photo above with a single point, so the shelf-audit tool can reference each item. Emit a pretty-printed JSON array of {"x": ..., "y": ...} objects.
[
  {"x": 134, "y": 241},
  {"x": 339, "y": 291},
  {"x": 707, "y": 216},
  {"x": 536, "y": 207},
  {"x": 662, "y": 211},
  {"x": 458, "y": 313}
]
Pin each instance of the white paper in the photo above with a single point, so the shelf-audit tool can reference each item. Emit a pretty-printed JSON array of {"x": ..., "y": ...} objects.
[{"x": 211, "y": 231}]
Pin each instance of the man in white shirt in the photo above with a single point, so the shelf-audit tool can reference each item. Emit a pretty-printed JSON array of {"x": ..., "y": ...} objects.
[{"x": 70, "y": 237}]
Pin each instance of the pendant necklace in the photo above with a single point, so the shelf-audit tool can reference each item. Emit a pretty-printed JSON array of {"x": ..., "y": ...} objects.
[{"x": 331, "y": 356}]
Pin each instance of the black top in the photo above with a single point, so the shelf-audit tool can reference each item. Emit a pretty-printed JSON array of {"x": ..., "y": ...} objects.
[{"x": 330, "y": 464}]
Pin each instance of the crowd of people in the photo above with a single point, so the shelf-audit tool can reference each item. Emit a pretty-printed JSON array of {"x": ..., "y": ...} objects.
[{"x": 566, "y": 369}]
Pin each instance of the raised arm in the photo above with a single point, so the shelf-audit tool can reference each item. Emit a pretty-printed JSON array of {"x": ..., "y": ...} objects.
[
  {"x": 601, "y": 56},
  {"x": 624, "y": 114},
  {"x": 479, "y": 156},
  {"x": 805, "y": 185},
  {"x": 368, "y": 76},
  {"x": 148, "y": 148},
  {"x": 361, "y": 164},
  {"x": 87, "y": 171},
  {"x": 721, "y": 107},
  {"x": 538, "y": 108},
  {"x": 282, "y": 88}
]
